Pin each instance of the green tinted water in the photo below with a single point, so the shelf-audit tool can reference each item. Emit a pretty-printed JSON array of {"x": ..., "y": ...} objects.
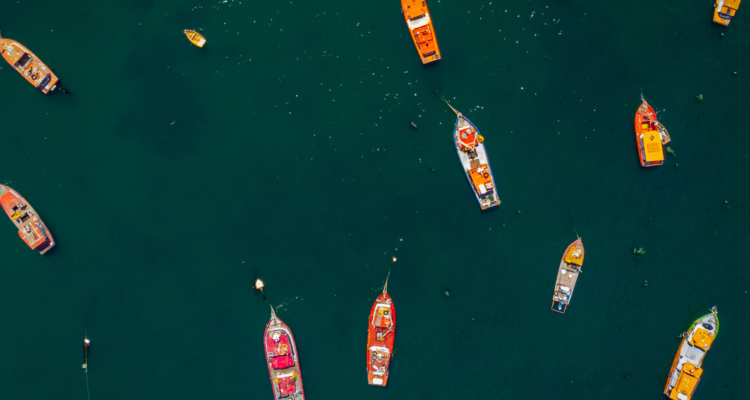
[{"x": 172, "y": 176}]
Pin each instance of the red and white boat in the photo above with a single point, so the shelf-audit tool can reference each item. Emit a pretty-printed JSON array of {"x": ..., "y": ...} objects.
[
  {"x": 283, "y": 361},
  {"x": 30, "y": 226},
  {"x": 380, "y": 334}
]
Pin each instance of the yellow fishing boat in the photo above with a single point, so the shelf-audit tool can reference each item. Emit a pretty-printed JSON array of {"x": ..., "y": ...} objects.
[
  {"x": 725, "y": 10},
  {"x": 195, "y": 38}
]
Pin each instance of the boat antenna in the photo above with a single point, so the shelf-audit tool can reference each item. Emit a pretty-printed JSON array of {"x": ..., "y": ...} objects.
[
  {"x": 86, "y": 344},
  {"x": 449, "y": 105},
  {"x": 570, "y": 214},
  {"x": 273, "y": 312}
]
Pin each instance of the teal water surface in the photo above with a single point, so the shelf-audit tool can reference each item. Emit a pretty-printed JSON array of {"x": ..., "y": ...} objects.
[{"x": 173, "y": 176}]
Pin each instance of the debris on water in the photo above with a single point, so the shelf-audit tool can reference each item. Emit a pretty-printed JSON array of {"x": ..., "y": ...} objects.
[
  {"x": 735, "y": 72},
  {"x": 722, "y": 34},
  {"x": 447, "y": 294},
  {"x": 699, "y": 97},
  {"x": 472, "y": 319},
  {"x": 432, "y": 170},
  {"x": 519, "y": 212},
  {"x": 645, "y": 284},
  {"x": 627, "y": 376},
  {"x": 726, "y": 204},
  {"x": 639, "y": 250},
  {"x": 413, "y": 125},
  {"x": 670, "y": 151},
  {"x": 172, "y": 122}
]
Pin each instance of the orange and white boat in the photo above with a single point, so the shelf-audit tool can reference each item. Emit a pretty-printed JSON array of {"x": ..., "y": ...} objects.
[
  {"x": 724, "y": 10},
  {"x": 282, "y": 360},
  {"x": 29, "y": 65},
  {"x": 686, "y": 369},
  {"x": 473, "y": 156},
  {"x": 195, "y": 38},
  {"x": 418, "y": 20},
  {"x": 381, "y": 332},
  {"x": 650, "y": 135},
  {"x": 31, "y": 229},
  {"x": 567, "y": 276}
]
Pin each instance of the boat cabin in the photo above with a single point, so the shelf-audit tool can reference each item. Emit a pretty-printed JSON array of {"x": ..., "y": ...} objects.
[
  {"x": 280, "y": 351},
  {"x": 651, "y": 147},
  {"x": 481, "y": 179},
  {"x": 382, "y": 316},
  {"x": 287, "y": 383},
  {"x": 379, "y": 361}
]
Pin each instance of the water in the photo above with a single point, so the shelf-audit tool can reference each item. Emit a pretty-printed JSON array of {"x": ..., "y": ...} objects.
[{"x": 173, "y": 176}]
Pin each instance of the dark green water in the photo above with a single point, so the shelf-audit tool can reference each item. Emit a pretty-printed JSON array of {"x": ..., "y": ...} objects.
[{"x": 291, "y": 158}]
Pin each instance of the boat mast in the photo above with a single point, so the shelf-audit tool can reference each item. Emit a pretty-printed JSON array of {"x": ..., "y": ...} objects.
[{"x": 449, "y": 105}]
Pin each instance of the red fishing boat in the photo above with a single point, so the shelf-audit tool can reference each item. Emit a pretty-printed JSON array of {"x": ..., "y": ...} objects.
[
  {"x": 418, "y": 21},
  {"x": 650, "y": 135},
  {"x": 31, "y": 228},
  {"x": 283, "y": 361},
  {"x": 380, "y": 334}
]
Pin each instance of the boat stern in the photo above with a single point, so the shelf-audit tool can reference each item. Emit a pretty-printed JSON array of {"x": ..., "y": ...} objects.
[{"x": 724, "y": 11}]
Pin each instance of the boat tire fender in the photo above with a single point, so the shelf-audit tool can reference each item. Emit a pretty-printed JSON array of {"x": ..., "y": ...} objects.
[
  {"x": 34, "y": 76},
  {"x": 486, "y": 175}
]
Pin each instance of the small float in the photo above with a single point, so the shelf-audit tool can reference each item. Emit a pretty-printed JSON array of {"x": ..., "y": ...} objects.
[
  {"x": 282, "y": 360},
  {"x": 381, "y": 332},
  {"x": 686, "y": 369},
  {"x": 567, "y": 276},
  {"x": 31, "y": 228},
  {"x": 650, "y": 135},
  {"x": 195, "y": 38},
  {"x": 473, "y": 156},
  {"x": 418, "y": 21},
  {"x": 29, "y": 65},
  {"x": 724, "y": 10}
]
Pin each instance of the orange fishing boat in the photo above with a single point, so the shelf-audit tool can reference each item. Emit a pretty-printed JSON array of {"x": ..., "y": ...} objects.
[
  {"x": 29, "y": 65},
  {"x": 31, "y": 229},
  {"x": 283, "y": 361},
  {"x": 567, "y": 275},
  {"x": 724, "y": 10},
  {"x": 686, "y": 369},
  {"x": 380, "y": 334},
  {"x": 195, "y": 38},
  {"x": 650, "y": 135},
  {"x": 418, "y": 20}
]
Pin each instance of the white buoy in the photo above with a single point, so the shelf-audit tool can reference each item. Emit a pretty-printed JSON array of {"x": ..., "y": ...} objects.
[
  {"x": 258, "y": 284},
  {"x": 394, "y": 259}
]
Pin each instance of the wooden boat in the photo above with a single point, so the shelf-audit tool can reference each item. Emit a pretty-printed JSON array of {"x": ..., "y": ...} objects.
[
  {"x": 31, "y": 228},
  {"x": 473, "y": 156},
  {"x": 381, "y": 332},
  {"x": 650, "y": 135},
  {"x": 686, "y": 368},
  {"x": 195, "y": 38},
  {"x": 29, "y": 65},
  {"x": 567, "y": 276},
  {"x": 724, "y": 10},
  {"x": 283, "y": 361},
  {"x": 418, "y": 21}
]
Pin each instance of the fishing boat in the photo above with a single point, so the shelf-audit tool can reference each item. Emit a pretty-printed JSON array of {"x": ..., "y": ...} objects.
[
  {"x": 567, "y": 276},
  {"x": 473, "y": 156},
  {"x": 724, "y": 10},
  {"x": 650, "y": 135},
  {"x": 283, "y": 361},
  {"x": 195, "y": 38},
  {"x": 29, "y": 65},
  {"x": 381, "y": 332},
  {"x": 31, "y": 229},
  {"x": 686, "y": 369},
  {"x": 418, "y": 20}
]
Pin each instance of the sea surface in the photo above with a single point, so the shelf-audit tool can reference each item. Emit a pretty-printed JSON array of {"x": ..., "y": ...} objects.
[{"x": 172, "y": 177}]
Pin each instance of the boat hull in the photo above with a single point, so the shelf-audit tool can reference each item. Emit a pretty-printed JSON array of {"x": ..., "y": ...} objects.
[
  {"x": 567, "y": 276},
  {"x": 645, "y": 115},
  {"x": 283, "y": 361},
  {"x": 490, "y": 198},
  {"x": 380, "y": 341},
  {"x": 31, "y": 228},
  {"x": 195, "y": 38},
  {"x": 29, "y": 65},
  {"x": 422, "y": 31},
  {"x": 686, "y": 370}
]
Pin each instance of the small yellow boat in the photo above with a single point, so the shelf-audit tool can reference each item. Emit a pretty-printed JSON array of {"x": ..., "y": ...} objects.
[
  {"x": 195, "y": 38},
  {"x": 725, "y": 10}
]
